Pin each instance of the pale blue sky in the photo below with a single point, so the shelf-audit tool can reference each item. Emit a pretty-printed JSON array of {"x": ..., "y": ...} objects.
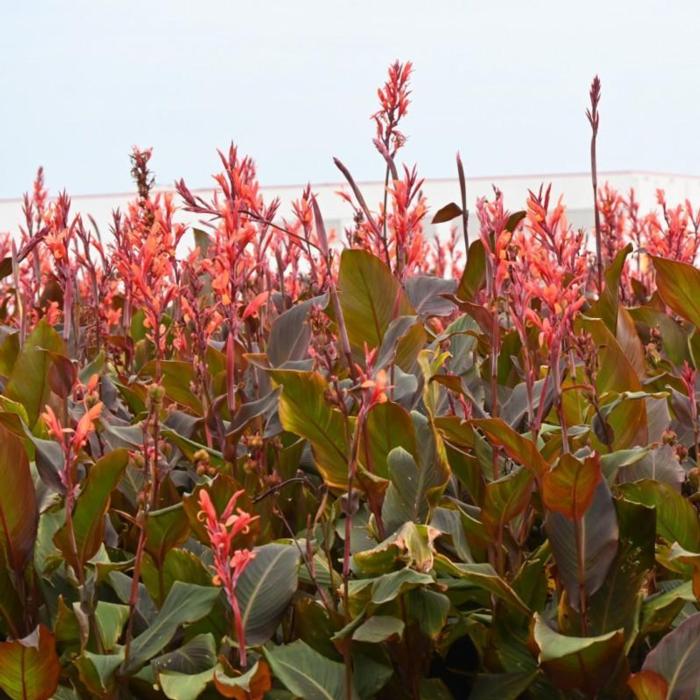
[{"x": 293, "y": 83}]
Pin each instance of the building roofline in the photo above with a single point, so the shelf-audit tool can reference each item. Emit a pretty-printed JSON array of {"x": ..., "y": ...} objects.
[{"x": 339, "y": 184}]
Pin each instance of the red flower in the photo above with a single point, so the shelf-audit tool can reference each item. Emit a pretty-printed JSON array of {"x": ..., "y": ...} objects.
[{"x": 229, "y": 563}]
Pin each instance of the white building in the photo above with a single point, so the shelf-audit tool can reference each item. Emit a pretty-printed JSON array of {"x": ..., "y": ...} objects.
[{"x": 576, "y": 189}]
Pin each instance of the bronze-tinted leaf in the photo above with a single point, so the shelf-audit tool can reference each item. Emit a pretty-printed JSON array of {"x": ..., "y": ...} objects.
[
  {"x": 29, "y": 668},
  {"x": 447, "y": 213}
]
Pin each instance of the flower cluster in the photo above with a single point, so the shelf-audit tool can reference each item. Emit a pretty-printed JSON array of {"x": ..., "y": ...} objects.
[
  {"x": 72, "y": 440},
  {"x": 229, "y": 562}
]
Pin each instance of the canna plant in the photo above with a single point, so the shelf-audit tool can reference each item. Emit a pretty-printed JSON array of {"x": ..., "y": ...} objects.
[{"x": 298, "y": 463}]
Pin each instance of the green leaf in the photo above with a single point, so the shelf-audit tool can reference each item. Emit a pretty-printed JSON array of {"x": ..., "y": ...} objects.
[
  {"x": 370, "y": 297},
  {"x": 266, "y": 588},
  {"x": 303, "y": 410},
  {"x": 674, "y": 338},
  {"x": 390, "y": 586},
  {"x": 660, "y": 610},
  {"x": 409, "y": 494},
  {"x": 371, "y": 672},
  {"x": 29, "y": 381},
  {"x": 379, "y": 628},
  {"x": 179, "y": 565},
  {"x": 676, "y": 519},
  {"x": 184, "y": 686},
  {"x": 416, "y": 480},
  {"x": 606, "y": 308},
  {"x": 411, "y": 544},
  {"x": 177, "y": 379},
  {"x": 501, "y": 686},
  {"x": 111, "y": 618},
  {"x": 387, "y": 426},
  {"x": 90, "y": 509},
  {"x": 29, "y": 668},
  {"x": 583, "y": 663},
  {"x": 518, "y": 448},
  {"x": 616, "y": 375},
  {"x": 613, "y": 462},
  {"x": 403, "y": 340},
  {"x": 165, "y": 529},
  {"x": 429, "y": 609},
  {"x": 678, "y": 284},
  {"x": 305, "y": 672},
  {"x": 97, "y": 672},
  {"x": 677, "y": 659},
  {"x": 506, "y": 498},
  {"x": 194, "y": 656},
  {"x": 186, "y": 603},
  {"x": 481, "y": 576}
]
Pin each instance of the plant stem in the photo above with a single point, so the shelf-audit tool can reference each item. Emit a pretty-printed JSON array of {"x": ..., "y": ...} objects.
[
  {"x": 465, "y": 211},
  {"x": 594, "y": 120}
]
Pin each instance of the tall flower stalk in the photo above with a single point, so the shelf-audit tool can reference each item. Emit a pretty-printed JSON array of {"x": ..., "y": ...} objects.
[{"x": 229, "y": 562}]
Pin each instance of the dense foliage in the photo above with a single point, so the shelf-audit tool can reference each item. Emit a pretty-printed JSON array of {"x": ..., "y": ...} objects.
[{"x": 280, "y": 466}]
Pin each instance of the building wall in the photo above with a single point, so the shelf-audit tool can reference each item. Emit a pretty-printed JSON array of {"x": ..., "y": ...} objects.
[{"x": 575, "y": 188}]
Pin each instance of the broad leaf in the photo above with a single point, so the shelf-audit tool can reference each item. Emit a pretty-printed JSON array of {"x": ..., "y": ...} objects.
[
  {"x": 90, "y": 509},
  {"x": 290, "y": 332},
  {"x": 304, "y": 410},
  {"x": 306, "y": 673},
  {"x": 648, "y": 685},
  {"x": 678, "y": 284},
  {"x": 379, "y": 628},
  {"x": 584, "y": 549},
  {"x": 506, "y": 498},
  {"x": 186, "y": 603},
  {"x": 370, "y": 297},
  {"x": 98, "y": 672},
  {"x": 676, "y": 658},
  {"x": 252, "y": 685},
  {"x": 628, "y": 419},
  {"x": 481, "y": 576},
  {"x": 29, "y": 381},
  {"x": 474, "y": 272},
  {"x": 501, "y": 686},
  {"x": 676, "y": 519},
  {"x": 29, "y": 668},
  {"x": 582, "y": 663},
  {"x": 518, "y": 448},
  {"x": 416, "y": 482},
  {"x": 658, "y": 464},
  {"x": 568, "y": 488},
  {"x": 165, "y": 529},
  {"x": 387, "y": 426},
  {"x": 18, "y": 504},
  {"x": 616, "y": 603},
  {"x": 447, "y": 213},
  {"x": 265, "y": 589},
  {"x": 606, "y": 308}
]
